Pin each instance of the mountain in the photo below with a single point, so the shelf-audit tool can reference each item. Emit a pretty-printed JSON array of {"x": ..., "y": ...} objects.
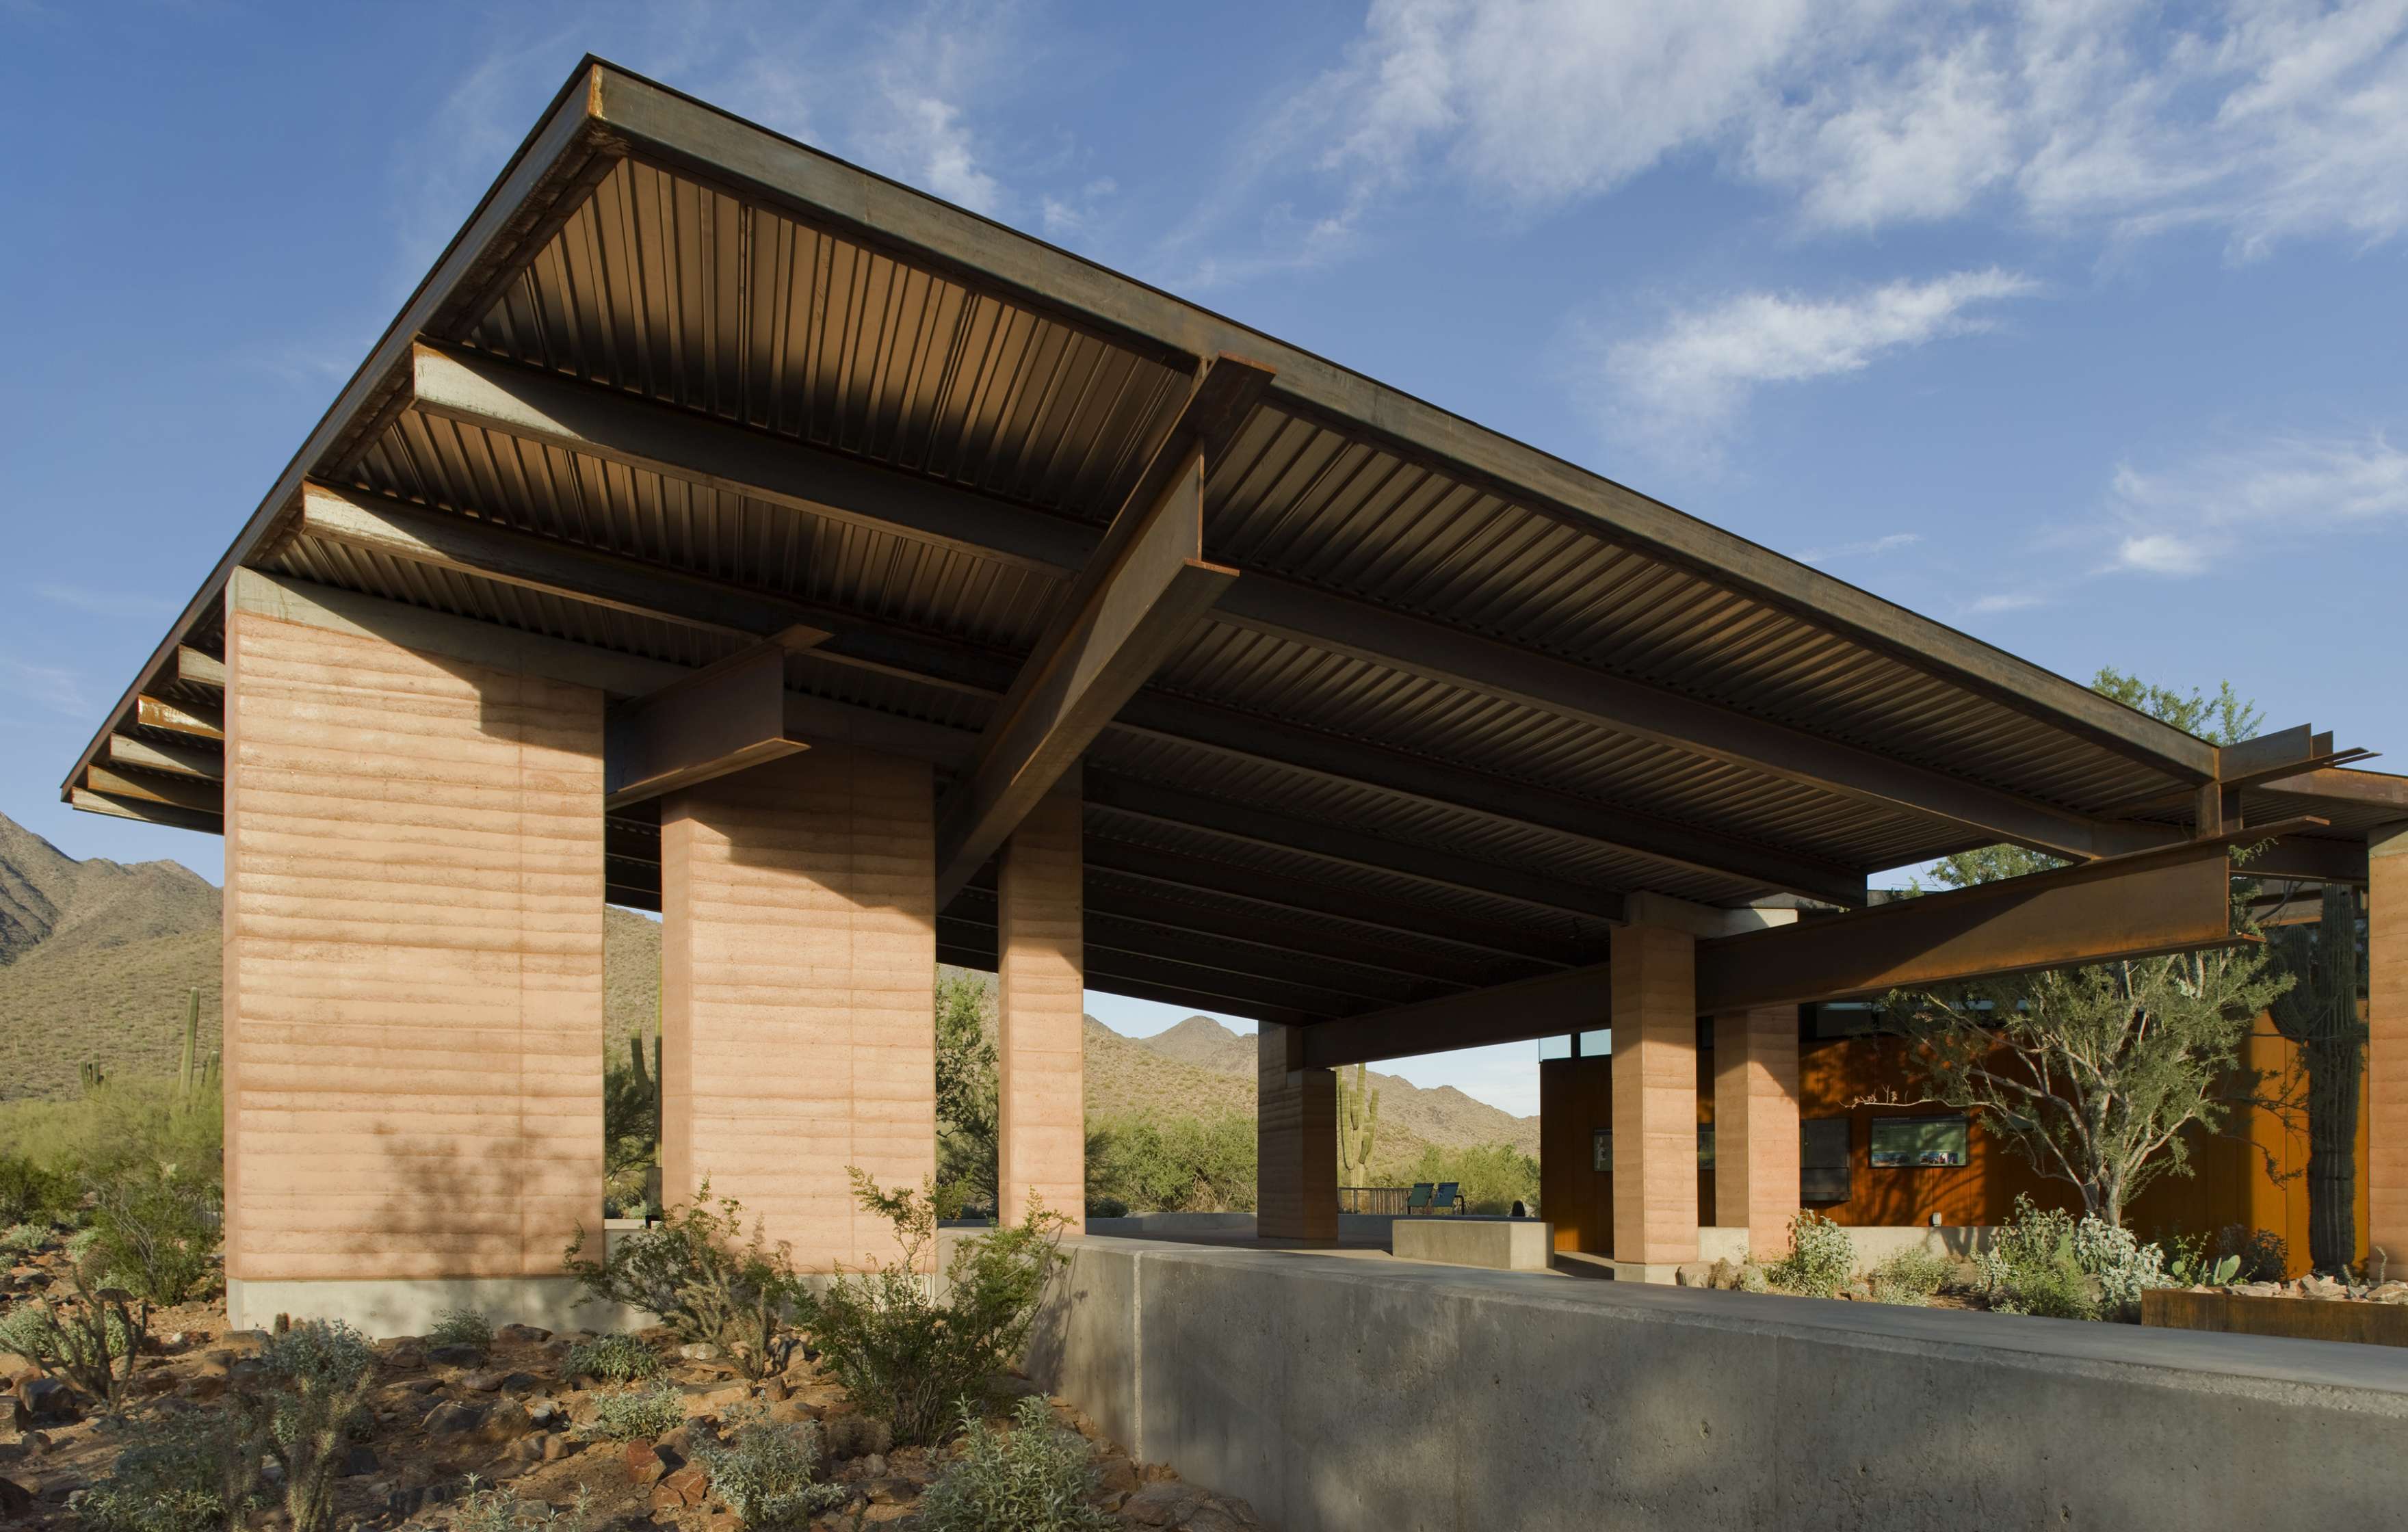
[
  {"x": 1440, "y": 1115},
  {"x": 97, "y": 958}
]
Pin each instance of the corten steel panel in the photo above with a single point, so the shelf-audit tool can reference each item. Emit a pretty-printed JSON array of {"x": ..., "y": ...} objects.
[
  {"x": 798, "y": 993},
  {"x": 1296, "y": 1132},
  {"x": 1040, "y": 1067},
  {"x": 1755, "y": 1126},
  {"x": 414, "y": 880},
  {"x": 2387, "y": 1052},
  {"x": 1655, "y": 1095}
]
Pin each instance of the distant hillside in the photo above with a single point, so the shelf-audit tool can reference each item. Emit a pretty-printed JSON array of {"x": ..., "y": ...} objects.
[{"x": 95, "y": 959}]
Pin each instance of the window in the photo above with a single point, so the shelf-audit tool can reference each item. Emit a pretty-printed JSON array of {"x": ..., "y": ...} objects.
[
  {"x": 1598, "y": 1044},
  {"x": 1600, "y": 1151},
  {"x": 1555, "y": 1047},
  {"x": 1823, "y": 1160},
  {"x": 1924, "y": 1143},
  {"x": 1705, "y": 1146},
  {"x": 1845, "y": 1018}
]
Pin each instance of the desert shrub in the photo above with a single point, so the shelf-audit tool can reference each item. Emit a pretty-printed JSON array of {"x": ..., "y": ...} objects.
[
  {"x": 88, "y": 1343},
  {"x": 127, "y": 1125},
  {"x": 1910, "y": 1276},
  {"x": 2120, "y": 1265},
  {"x": 614, "y": 1359},
  {"x": 461, "y": 1327},
  {"x": 706, "y": 1280},
  {"x": 24, "y": 1239},
  {"x": 307, "y": 1401},
  {"x": 1107, "y": 1206},
  {"x": 190, "y": 1473},
  {"x": 909, "y": 1357},
  {"x": 1821, "y": 1258},
  {"x": 1034, "y": 1478},
  {"x": 768, "y": 1472},
  {"x": 2265, "y": 1256},
  {"x": 31, "y": 1194},
  {"x": 154, "y": 1231},
  {"x": 1491, "y": 1176},
  {"x": 2030, "y": 1268},
  {"x": 1173, "y": 1164},
  {"x": 631, "y": 1414},
  {"x": 80, "y": 1243},
  {"x": 499, "y": 1508}
]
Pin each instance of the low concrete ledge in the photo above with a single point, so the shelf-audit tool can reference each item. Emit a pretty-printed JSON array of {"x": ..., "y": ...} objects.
[
  {"x": 1336, "y": 1393},
  {"x": 1498, "y": 1244}
]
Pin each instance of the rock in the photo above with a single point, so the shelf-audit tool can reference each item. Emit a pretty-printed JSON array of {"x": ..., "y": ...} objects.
[
  {"x": 455, "y": 1357},
  {"x": 2388, "y": 1293},
  {"x": 2261, "y": 1290},
  {"x": 481, "y": 1382},
  {"x": 793, "y": 1411},
  {"x": 2321, "y": 1287},
  {"x": 521, "y": 1382},
  {"x": 359, "y": 1460},
  {"x": 204, "y": 1389},
  {"x": 452, "y": 1418},
  {"x": 645, "y": 1466},
  {"x": 856, "y": 1436},
  {"x": 15, "y": 1499},
  {"x": 1221, "y": 1516},
  {"x": 1166, "y": 1504},
  {"x": 529, "y": 1333},
  {"x": 874, "y": 1465},
  {"x": 424, "y": 1385},
  {"x": 557, "y": 1445},
  {"x": 775, "y": 1388},
  {"x": 546, "y": 1414},
  {"x": 1116, "y": 1475},
  {"x": 1693, "y": 1274},
  {"x": 506, "y": 1422},
  {"x": 14, "y": 1452},
  {"x": 883, "y": 1491},
  {"x": 716, "y": 1401},
  {"x": 699, "y": 1350},
  {"x": 45, "y": 1401},
  {"x": 682, "y": 1490}
]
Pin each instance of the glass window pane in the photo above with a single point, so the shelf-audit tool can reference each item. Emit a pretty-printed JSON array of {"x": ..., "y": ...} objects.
[
  {"x": 1598, "y": 1044},
  {"x": 1930, "y": 1142},
  {"x": 1705, "y": 1146},
  {"x": 1601, "y": 1150},
  {"x": 1556, "y": 1047},
  {"x": 1823, "y": 1160}
]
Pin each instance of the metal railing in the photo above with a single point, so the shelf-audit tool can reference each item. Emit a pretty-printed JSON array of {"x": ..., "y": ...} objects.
[{"x": 1374, "y": 1199}]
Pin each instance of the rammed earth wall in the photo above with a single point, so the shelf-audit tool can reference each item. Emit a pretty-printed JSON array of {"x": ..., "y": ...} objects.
[{"x": 1337, "y": 1394}]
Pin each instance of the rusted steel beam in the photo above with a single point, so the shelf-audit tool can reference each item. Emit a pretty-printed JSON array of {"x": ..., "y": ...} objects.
[
  {"x": 1575, "y": 1000},
  {"x": 196, "y": 719},
  {"x": 720, "y": 718},
  {"x": 1139, "y": 595}
]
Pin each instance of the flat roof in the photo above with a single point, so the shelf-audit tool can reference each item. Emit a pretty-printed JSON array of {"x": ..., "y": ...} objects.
[{"x": 1461, "y": 698}]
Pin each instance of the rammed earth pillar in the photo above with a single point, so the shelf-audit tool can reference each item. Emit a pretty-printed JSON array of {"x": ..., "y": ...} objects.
[
  {"x": 1755, "y": 1126},
  {"x": 798, "y": 957},
  {"x": 1296, "y": 1140},
  {"x": 2387, "y": 1052},
  {"x": 1654, "y": 978},
  {"x": 1042, "y": 963},
  {"x": 413, "y": 976}
]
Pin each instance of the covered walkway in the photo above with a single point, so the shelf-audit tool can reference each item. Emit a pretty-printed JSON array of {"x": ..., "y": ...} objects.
[{"x": 723, "y": 530}]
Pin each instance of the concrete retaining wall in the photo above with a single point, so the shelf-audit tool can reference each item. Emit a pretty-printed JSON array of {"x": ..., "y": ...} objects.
[
  {"x": 1498, "y": 1244},
  {"x": 1337, "y": 1394}
]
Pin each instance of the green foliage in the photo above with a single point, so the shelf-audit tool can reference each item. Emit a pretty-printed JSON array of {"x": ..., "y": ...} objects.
[
  {"x": 187, "y": 1473},
  {"x": 1491, "y": 1176},
  {"x": 129, "y": 1125},
  {"x": 768, "y": 1472},
  {"x": 967, "y": 1100},
  {"x": 1821, "y": 1258},
  {"x": 2044, "y": 1261},
  {"x": 2263, "y": 1255},
  {"x": 24, "y": 1239},
  {"x": 30, "y": 1193},
  {"x": 630, "y": 1414},
  {"x": 705, "y": 1278},
  {"x": 310, "y": 1399},
  {"x": 630, "y": 1123},
  {"x": 908, "y": 1356},
  {"x": 1358, "y": 1126},
  {"x": 461, "y": 1327},
  {"x": 500, "y": 1508},
  {"x": 1910, "y": 1276},
  {"x": 156, "y": 1228},
  {"x": 88, "y": 1343},
  {"x": 1173, "y": 1164},
  {"x": 2225, "y": 719},
  {"x": 1035, "y": 1477},
  {"x": 614, "y": 1359}
]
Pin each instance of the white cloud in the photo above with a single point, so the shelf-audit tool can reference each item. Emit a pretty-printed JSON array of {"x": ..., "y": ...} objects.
[
  {"x": 1684, "y": 385},
  {"x": 49, "y": 686},
  {"x": 2270, "y": 122},
  {"x": 2007, "y": 601},
  {"x": 1888, "y": 542},
  {"x": 2189, "y": 519}
]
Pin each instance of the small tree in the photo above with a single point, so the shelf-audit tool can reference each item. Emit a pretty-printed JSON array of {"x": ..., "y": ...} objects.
[
  {"x": 967, "y": 1100},
  {"x": 2320, "y": 1014},
  {"x": 2092, "y": 1074}
]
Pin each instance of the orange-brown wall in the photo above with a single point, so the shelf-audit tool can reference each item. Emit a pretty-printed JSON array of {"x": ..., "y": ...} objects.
[{"x": 2230, "y": 1181}]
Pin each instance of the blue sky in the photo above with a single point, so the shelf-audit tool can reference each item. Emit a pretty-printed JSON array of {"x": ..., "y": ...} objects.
[{"x": 2077, "y": 326}]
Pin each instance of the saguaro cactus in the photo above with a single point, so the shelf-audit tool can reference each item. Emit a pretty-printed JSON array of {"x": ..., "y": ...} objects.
[
  {"x": 2320, "y": 1014},
  {"x": 191, "y": 1040},
  {"x": 1358, "y": 1123}
]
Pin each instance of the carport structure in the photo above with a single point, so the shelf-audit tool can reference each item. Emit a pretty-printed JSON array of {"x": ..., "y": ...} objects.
[{"x": 724, "y": 530}]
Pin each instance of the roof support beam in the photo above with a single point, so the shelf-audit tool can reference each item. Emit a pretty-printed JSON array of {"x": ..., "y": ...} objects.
[
  {"x": 194, "y": 668},
  {"x": 440, "y": 539},
  {"x": 200, "y": 722},
  {"x": 2175, "y": 898},
  {"x": 719, "y": 720},
  {"x": 145, "y": 809},
  {"x": 1140, "y": 593},
  {"x": 180, "y": 760},
  {"x": 175, "y": 792},
  {"x": 596, "y": 422}
]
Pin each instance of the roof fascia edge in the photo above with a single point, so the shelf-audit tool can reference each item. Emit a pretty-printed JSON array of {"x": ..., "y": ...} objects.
[
  {"x": 683, "y": 130},
  {"x": 565, "y": 134}
]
